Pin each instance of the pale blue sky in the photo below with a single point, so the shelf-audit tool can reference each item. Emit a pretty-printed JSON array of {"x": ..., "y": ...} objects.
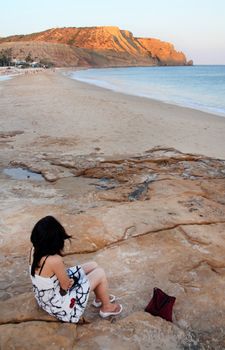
[{"x": 196, "y": 27}]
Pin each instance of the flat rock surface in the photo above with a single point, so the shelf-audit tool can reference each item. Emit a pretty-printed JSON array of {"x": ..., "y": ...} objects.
[{"x": 157, "y": 220}]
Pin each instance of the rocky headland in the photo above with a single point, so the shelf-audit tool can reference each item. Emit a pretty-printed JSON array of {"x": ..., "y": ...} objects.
[
  {"x": 92, "y": 47},
  {"x": 151, "y": 218}
]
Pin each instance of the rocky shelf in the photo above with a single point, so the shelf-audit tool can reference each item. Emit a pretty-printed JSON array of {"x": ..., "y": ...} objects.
[{"x": 153, "y": 220}]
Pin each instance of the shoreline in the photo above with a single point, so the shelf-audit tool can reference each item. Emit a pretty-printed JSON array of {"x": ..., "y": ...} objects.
[
  {"x": 211, "y": 114},
  {"x": 57, "y": 113},
  {"x": 153, "y": 99},
  {"x": 68, "y": 71},
  {"x": 106, "y": 85}
]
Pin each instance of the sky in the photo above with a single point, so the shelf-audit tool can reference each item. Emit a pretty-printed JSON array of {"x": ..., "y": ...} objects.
[{"x": 196, "y": 27}]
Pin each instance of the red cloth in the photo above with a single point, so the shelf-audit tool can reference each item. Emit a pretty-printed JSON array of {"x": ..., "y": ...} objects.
[{"x": 161, "y": 305}]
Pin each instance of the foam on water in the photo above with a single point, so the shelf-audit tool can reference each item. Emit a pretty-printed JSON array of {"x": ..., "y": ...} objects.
[
  {"x": 198, "y": 87},
  {"x": 5, "y": 77}
]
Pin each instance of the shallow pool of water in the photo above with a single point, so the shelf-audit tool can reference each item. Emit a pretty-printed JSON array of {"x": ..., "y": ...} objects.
[{"x": 22, "y": 174}]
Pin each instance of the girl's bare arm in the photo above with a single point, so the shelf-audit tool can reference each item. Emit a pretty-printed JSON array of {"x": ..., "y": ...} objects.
[{"x": 58, "y": 268}]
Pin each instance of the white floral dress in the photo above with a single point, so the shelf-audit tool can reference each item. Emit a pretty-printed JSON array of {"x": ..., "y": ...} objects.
[{"x": 66, "y": 306}]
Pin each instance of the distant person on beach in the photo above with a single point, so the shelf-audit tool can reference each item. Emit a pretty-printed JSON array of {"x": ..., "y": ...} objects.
[{"x": 63, "y": 292}]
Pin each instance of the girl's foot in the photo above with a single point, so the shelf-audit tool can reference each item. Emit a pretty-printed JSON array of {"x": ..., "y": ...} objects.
[
  {"x": 111, "y": 310},
  {"x": 98, "y": 303}
]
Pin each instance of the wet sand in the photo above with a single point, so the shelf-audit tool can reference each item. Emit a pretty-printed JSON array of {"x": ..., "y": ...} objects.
[{"x": 54, "y": 112}]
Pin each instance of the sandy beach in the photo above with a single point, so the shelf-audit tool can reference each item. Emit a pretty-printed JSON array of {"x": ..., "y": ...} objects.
[{"x": 56, "y": 112}]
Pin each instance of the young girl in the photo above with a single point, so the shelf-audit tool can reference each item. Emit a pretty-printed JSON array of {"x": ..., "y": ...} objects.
[{"x": 63, "y": 292}]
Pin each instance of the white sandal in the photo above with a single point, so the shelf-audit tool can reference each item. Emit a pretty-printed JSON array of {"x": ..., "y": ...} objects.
[
  {"x": 95, "y": 303},
  {"x": 110, "y": 313}
]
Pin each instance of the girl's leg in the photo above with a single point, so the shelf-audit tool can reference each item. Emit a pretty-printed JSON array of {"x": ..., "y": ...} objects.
[
  {"x": 99, "y": 284},
  {"x": 89, "y": 266}
]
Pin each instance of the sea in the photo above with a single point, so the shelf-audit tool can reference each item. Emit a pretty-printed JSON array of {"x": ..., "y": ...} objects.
[
  {"x": 200, "y": 87},
  {"x": 5, "y": 77}
]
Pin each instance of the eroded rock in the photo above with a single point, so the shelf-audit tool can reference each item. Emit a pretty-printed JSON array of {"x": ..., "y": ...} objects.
[
  {"x": 137, "y": 331},
  {"x": 37, "y": 335}
]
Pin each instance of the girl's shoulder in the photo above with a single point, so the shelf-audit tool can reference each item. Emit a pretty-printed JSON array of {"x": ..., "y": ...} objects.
[
  {"x": 51, "y": 263},
  {"x": 54, "y": 259},
  {"x": 55, "y": 263}
]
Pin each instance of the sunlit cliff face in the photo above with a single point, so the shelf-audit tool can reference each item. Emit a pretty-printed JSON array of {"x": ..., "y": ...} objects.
[
  {"x": 111, "y": 45},
  {"x": 165, "y": 52}
]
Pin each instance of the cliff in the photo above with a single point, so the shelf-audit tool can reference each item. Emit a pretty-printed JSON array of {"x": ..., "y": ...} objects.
[
  {"x": 94, "y": 46},
  {"x": 164, "y": 52}
]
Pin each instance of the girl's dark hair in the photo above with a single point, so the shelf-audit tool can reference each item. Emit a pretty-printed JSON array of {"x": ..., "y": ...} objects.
[{"x": 47, "y": 237}]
